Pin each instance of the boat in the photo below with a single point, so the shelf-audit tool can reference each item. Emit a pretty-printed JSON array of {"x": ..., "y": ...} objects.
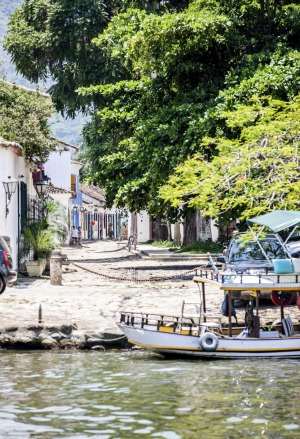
[{"x": 195, "y": 333}]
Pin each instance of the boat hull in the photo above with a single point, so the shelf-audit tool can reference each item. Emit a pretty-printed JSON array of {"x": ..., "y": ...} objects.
[{"x": 179, "y": 345}]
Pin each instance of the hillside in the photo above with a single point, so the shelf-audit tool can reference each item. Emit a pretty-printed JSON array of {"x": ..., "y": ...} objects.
[{"x": 67, "y": 130}]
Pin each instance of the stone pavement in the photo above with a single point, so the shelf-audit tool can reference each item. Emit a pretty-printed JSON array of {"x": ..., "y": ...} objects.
[
  {"x": 102, "y": 279},
  {"x": 93, "y": 302}
]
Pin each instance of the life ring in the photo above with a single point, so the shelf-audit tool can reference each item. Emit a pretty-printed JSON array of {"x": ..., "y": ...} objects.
[
  {"x": 208, "y": 341},
  {"x": 281, "y": 298}
]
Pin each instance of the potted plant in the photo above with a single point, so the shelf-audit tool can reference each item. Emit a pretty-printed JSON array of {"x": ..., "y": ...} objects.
[{"x": 37, "y": 243}]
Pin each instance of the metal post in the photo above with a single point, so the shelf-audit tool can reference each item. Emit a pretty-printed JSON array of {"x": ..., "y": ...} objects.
[
  {"x": 229, "y": 314},
  {"x": 203, "y": 300},
  {"x": 40, "y": 318}
]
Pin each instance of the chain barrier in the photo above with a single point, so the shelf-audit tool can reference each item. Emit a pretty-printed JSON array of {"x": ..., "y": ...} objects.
[{"x": 135, "y": 279}]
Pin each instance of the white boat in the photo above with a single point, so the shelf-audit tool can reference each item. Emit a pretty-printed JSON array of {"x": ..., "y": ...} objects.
[
  {"x": 199, "y": 335},
  {"x": 203, "y": 336}
]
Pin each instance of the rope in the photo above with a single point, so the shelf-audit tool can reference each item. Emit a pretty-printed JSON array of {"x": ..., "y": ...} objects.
[
  {"x": 153, "y": 279},
  {"x": 106, "y": 340}
]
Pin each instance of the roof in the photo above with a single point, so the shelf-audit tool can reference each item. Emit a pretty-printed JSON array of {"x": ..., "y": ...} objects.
[
  {"x": 14, "y": 146},
  {"x": 278, "y": 220},
  {"x": 58, "y": 190},
  {"x": 28, "y": 90},
  {"x": 65, "y": 145},
  {"x": 92, "y": 191}
]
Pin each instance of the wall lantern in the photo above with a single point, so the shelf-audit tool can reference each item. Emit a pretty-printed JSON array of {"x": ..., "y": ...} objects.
[
  {"x": 96, "y": 210},
  {"x": 75, "y": 209},
  {"x": 10, "y": 187},
  {"x": 41, "y": 188}
]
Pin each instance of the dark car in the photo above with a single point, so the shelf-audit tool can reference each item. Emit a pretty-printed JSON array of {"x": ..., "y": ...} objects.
[
  {"x": 243, "y": 255},
  {"x": 7, "y": 274}
]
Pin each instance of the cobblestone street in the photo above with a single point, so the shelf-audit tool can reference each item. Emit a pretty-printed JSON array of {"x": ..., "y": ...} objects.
[{"x": 92, "y": 302}]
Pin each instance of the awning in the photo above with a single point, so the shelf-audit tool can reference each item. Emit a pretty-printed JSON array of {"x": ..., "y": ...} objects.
[{"x": 278, "y": 220}]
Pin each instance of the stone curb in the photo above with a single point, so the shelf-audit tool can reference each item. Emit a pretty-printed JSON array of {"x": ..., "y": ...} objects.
[{"x": 59, "y": 337}]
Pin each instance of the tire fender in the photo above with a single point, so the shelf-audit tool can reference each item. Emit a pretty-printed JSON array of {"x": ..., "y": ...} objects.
[{"x": 208, "y": 341}]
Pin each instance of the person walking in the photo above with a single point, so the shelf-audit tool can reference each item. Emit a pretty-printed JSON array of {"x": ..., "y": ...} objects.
[
  {"x": 74, "y": 235},
  {"x": 79, "y": 236}
]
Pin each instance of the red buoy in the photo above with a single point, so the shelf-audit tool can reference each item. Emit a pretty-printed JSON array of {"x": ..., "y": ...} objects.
[{"x": 283, "y": 298}]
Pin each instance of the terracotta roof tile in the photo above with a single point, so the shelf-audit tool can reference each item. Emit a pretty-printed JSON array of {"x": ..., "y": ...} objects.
[
  {"x": 58, "y": 190},
  {"x": 14, "y": 146},
  {"x": 92, "y": 191}
]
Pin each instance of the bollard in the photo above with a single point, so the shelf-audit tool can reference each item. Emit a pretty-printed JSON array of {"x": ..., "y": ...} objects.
[
  {"x": 40, "y": 319},
  {"x": 56, "y": 268}
]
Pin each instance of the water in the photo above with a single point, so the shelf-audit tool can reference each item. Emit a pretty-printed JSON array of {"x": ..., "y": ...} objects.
[{"x": 139, "y": 395}]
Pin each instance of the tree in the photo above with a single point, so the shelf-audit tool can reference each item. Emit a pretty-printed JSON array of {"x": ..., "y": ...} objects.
[
  {"x": 253, "y": 174},
  {"x": 143, "y": 127},
  {"x": 163, "y": 83},
  {"x": 53, "y": 39},
  {"x": 24, "y": 119}
]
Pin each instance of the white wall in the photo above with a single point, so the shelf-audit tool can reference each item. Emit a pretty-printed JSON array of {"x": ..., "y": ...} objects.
[
  {"x": 143, "y": 226},
  {"x": 14, "y": 166},
  {"x": 58, "y": 167}
]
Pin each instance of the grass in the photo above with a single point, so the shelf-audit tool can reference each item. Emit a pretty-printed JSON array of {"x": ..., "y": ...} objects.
[
  {"x": 197, "y": 247},
  {"x": 166, "y": 244},
  {"x": 202, "y": 247}
]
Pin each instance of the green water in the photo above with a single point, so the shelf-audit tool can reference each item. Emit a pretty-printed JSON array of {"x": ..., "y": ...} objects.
[{"x": 139, "y": 395}]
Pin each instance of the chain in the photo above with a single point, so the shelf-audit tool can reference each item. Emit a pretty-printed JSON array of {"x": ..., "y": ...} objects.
[{"x": 153, "y": 279}]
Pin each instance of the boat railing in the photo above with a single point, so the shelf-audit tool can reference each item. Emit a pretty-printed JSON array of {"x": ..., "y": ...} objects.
[
  {"x": 142, "y": 320},
  {"x": 247, "y": 278}
]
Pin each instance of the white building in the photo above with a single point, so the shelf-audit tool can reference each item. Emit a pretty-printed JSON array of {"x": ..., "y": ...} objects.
[{"x": 13, "y": 208}]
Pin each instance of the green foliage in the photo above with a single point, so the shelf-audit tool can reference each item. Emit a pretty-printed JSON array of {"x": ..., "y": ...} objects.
[
  {"x": 143, "y": 127},
  {"x": 53, "y": 39},
  {"x": 37, "y": 240},
  {"x": 23, "y": 119},
  {"x": 255, "y": 173},
  {"x": 165, "y": 244},
  {"x": 202, "y": 247},
  {"x": 42, "y": 236},
  {"x": 56, "y": 219},
  {"x": 208, "y": 86}
]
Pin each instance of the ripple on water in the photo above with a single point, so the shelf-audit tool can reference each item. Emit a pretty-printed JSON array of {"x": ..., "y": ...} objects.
[{"x": 48, "y": 395}]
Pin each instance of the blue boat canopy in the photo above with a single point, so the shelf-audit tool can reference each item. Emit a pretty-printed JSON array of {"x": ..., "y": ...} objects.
[{"x": 278, "y": 220}]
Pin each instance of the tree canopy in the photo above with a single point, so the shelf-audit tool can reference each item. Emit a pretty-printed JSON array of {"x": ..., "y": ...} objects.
[
  {"x": 201, "y": 86},
  {"x": 255, "y": 173},
  {"x": 53, "y": 39},
  {"x": 24, "y": 119}
]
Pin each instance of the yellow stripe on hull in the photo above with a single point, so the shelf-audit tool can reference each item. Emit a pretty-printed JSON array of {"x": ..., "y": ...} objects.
[{"x": 177, "y": 348}]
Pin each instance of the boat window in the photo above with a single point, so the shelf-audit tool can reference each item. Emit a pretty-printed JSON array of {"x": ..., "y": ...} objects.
[{"x": 252, "y": 251}]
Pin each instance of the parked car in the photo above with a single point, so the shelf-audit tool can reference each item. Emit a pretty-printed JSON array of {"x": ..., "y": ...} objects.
[
  {"x": 7, "y": 274},
  {"x": 248, "y": 256}
]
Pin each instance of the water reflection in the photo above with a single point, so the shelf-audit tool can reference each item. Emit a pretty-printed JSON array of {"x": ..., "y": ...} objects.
[{"x": 136, "y": 394}]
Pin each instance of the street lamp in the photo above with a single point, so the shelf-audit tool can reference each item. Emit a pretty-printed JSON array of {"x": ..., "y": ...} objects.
[
  {"x": 41, "y": 188},
  {"x": 10, "y": 187}
]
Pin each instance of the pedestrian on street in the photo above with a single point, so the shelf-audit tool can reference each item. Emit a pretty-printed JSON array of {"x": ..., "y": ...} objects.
[
  {"x": 74, "y": 235},
  {"x": 79, "y": 235}
]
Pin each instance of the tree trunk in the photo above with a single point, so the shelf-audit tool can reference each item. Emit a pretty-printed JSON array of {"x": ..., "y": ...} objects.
[
  {"x": 203, "y": 227},
  {"x": 169, "y": 231},
  {"x": 159, "y": 230},
  {"x": 190, "y": 228},
  {"x": 177, "y": 235}
]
